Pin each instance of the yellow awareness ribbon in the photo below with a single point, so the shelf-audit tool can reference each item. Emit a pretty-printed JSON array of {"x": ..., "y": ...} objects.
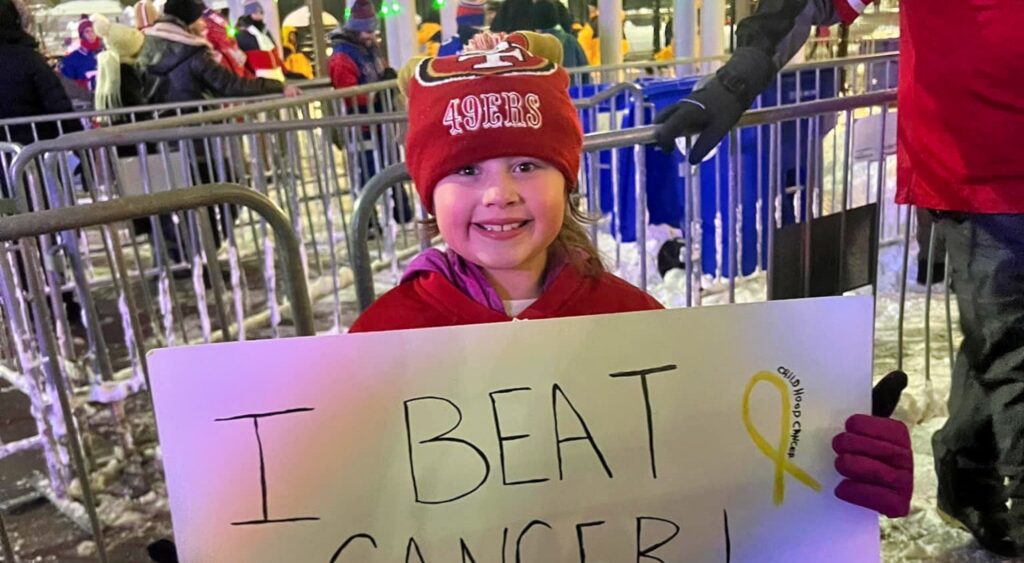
[{"x": 777, "y": 455}]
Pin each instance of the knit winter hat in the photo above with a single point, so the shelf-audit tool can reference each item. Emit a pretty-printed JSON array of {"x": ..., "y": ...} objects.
[
  {"x": 94, "y": 45},
  {"x": 83, "y": 24},
  {"x": 510, "y": 101},
  {"x": 363, "y": 17},
  {"x": 121, "y": 39},
  {"x": 146, "y": 14},
  {"x": 187, "y": 11},
  {"x": 469, "y": 13},
  {"x": 252, "y": 7}
]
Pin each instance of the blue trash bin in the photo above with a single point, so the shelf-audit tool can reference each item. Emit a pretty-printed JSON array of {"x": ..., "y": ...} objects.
[{"x": 665, "y": 185}]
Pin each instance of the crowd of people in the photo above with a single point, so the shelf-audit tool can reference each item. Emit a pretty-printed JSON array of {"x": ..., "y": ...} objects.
[
  {"x": 581, "y": 40},
  {"x": 184, "y": 53},
  {"x": 189, "y": 51}
]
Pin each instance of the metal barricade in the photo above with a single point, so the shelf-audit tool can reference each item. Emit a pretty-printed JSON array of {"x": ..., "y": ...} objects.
[
  {"x": 861, "y": 73},
  {"x": 369, "y": 99},
  {"x": 25, "y": 130},
  {"x": 632, "y": 71},
  {"x": 31, "y": 293},
  {"x": 293, "y": 162},
  {"x": 311, "y": 179}
]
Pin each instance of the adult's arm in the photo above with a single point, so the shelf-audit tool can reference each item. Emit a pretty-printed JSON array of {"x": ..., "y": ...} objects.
[
  {"x": 765, "y": 40},
  {"x": 225, "y": 83}
]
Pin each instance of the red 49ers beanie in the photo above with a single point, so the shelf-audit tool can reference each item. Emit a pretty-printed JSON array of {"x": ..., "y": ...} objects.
[{"x": 510, "y": 101}]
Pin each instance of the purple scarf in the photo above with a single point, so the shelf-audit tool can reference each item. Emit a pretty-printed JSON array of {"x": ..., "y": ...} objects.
[{"x": 468, "y": 277}]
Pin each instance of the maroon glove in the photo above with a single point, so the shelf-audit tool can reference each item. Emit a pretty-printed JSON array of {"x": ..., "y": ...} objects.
[{"x": 875, "y": 456}]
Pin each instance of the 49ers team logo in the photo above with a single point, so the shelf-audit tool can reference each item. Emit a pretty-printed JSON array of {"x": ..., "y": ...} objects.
[
  {"x": 491, "y": 111},
  {"x": 508, "y": 57}
]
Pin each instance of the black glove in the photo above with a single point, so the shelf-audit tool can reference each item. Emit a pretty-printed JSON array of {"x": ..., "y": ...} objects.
[
  {"x": 388, "y": 74},
  {"x": 886, "y": 394},
  {"x": 715, "y": 106}
]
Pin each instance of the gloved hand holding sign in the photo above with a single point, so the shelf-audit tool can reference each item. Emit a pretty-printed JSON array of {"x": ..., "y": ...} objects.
[{"x": 875, "y": 456}]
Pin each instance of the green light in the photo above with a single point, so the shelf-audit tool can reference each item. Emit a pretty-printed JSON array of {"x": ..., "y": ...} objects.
[
  {"x": 232, "y": 31},
  {"x": 439, "y": 4},
  {"x": 348, "y": 13},
  {"x": 395, "y": 8},
  {"x": 384, "y": 10}
]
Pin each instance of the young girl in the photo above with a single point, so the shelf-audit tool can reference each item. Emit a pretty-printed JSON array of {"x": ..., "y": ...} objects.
[{"x": 493, "y": 147}]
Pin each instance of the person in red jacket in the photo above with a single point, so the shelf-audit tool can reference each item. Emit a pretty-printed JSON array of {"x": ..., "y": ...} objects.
[
  {"x": 224, "y": 45},
  {"x": 961, "y": 118},
  {"x": 493, "y": 147},
  {"x": 356, "y": 60},
  {"x": 254, "y": 39}
]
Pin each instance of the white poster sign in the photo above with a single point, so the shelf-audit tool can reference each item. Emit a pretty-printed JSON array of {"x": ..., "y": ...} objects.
[{"x": 681, "y": 435}]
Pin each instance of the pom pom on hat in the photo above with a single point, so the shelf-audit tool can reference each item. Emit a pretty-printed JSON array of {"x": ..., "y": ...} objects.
[
  {"x": 124, "y": 40},
  {"x": 100, "y": 24},
  {"x": 509, "y": 101},
  {"x": 363, "y": 17},
  {"x": 146, "y": 14}
]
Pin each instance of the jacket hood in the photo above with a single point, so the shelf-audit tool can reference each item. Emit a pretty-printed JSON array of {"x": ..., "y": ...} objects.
[
  {"x": 427, "y": 31},
  {"x": 286, "y": 38}
]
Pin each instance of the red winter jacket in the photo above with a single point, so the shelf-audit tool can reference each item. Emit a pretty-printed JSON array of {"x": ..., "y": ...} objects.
[
  {"x": 961, "y": 105},
  {"x": 961, "y": 93},
  {"x": 430, "y": 300}
]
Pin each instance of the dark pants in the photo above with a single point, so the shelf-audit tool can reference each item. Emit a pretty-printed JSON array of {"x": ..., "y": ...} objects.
[{"x": 985, "y": 430}]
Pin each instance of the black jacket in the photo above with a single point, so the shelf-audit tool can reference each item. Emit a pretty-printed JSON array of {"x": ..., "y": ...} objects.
[
  {"x": 29, "y": 87},
  {"x": 247, "y": 41},
  {"x": 179, "y": 67}
]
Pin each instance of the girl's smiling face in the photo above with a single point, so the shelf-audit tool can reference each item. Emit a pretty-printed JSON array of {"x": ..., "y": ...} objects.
[{"x": 502, "y": 214}]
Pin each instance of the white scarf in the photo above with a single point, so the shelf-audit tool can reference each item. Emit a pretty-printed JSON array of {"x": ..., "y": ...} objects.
[{"x": 172, "y": 32}]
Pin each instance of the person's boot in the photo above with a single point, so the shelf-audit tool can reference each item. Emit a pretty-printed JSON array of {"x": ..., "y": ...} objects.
[
  {"x": 670, "y": 255},
  {"x": 72, "y": 310},
  {"x": 975, "y": 500}
]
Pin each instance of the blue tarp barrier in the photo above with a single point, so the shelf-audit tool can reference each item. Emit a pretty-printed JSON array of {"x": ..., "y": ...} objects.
[{"x": 665, "y": 185}]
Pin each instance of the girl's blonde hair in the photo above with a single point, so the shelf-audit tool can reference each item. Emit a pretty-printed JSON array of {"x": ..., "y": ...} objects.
[{"x": 572, "y": 240}]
